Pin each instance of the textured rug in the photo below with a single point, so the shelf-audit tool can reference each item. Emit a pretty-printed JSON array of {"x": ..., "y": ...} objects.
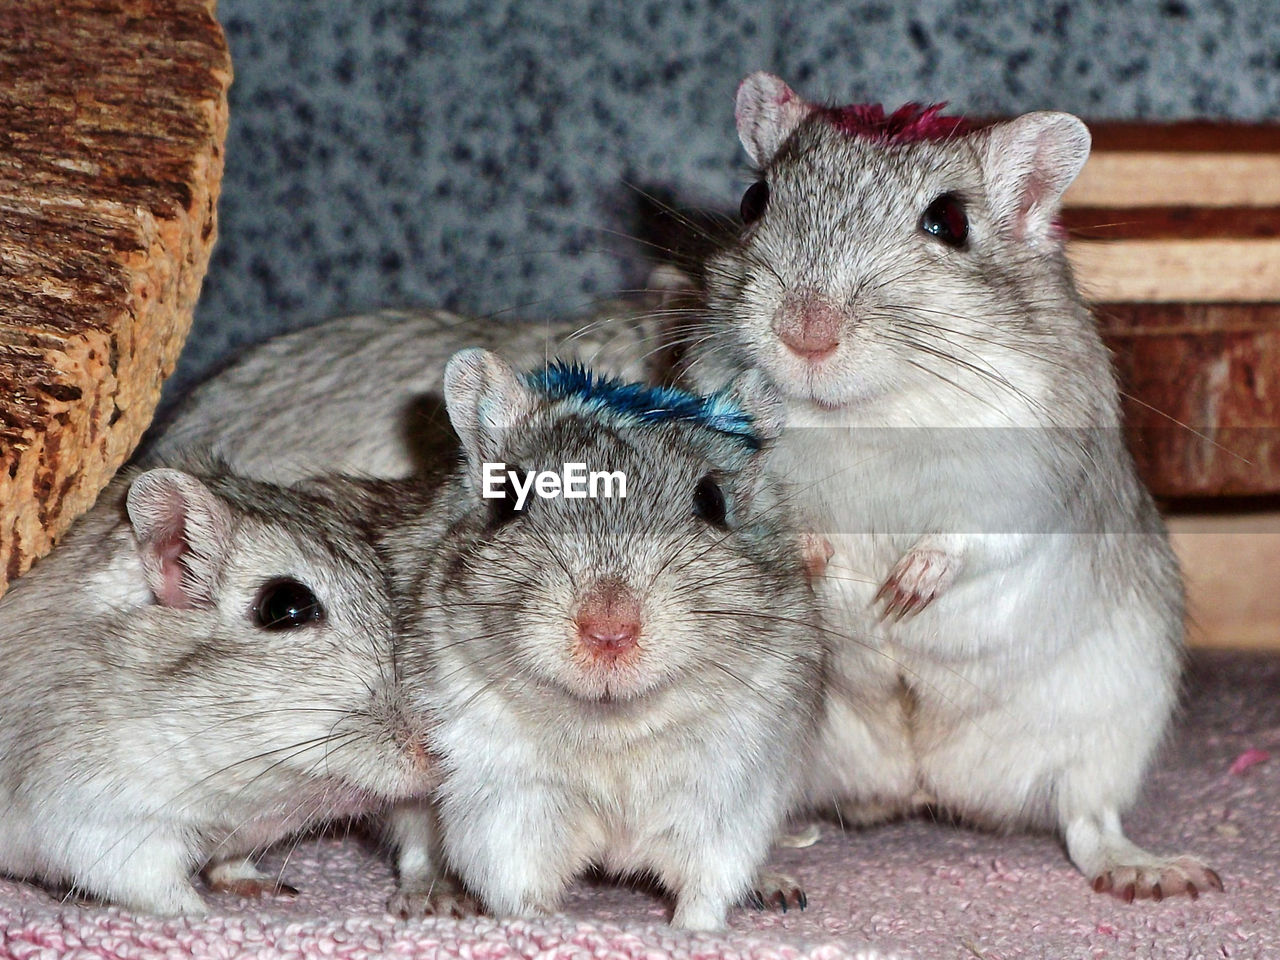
[{"x": 913, "y": 889}]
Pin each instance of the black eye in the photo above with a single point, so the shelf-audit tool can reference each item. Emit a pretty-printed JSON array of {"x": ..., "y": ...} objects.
[
  {"x": 708, "y": 502},
  {"x": 286, "y": 604},
  {"x": 503, "y": 509},
  {"x": 754, "y": 201},
  {"x": 945, "y": 219}
]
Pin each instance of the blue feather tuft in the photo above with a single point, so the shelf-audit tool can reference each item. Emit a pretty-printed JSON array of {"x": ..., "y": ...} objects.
[{"x": 644, "y": 404}]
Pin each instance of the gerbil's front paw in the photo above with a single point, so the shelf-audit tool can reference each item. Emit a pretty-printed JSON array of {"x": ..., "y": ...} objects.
[
  {"x": 817, "y": 552},
  {"x": 770, "y": 890},
  {"x": 916, "y": 581},
  {"x": 441, "y": 897},
  {"x": 1155, "y": 881},
  {"x": 243, "y": 879}
]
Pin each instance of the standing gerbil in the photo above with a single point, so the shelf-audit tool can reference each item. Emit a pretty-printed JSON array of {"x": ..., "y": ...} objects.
[
  {"x": 953, "y": 424},
  {"x": 205, "y": 665},
  {"x": 628, "y": 681}
]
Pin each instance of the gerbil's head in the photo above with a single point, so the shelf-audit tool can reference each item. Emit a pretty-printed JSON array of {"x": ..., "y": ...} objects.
[
  {"x": 270, "y": 647},
  {"x": 610, "y": 598},
  {"x": 895, "y": 252}
]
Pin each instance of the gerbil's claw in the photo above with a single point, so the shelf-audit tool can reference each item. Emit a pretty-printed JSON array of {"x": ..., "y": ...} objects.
[
  {"x": 883, "y": 591},
  {"x": 918, "y": 579},
  {"x": 242, "y": 879},
  {"x": 778, "y": 891},
  {"x": 441, "y": 897},
  {"x": 253, "y": 889},
  {"x": 1158, "y": 880}
]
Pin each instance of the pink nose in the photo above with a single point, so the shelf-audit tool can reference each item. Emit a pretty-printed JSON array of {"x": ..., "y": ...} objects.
[
  {"x": 809, "y": 325},
  {"x": 608, "y": 637},
  {"x": 608, "y": 620}
]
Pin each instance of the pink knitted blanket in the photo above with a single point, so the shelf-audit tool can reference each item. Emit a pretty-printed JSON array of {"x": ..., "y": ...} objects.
[{"x": 911, "y": 889}]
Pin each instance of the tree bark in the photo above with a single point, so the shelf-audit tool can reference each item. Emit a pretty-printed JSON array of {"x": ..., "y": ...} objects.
[{"x": 113, "y": 116}]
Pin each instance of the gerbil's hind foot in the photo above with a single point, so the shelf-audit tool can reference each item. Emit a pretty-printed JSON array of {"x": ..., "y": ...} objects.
[
  {"x": 1160, "y": 878},
  {"x": 918, "y": 579},
  {"x": 242, "y": 879},
  {"x": 776, "y": 891},
  {"x": 800, "y": 838},
  {"x": 439, "y": 897},
  {"x": 1114, "y": 864}
]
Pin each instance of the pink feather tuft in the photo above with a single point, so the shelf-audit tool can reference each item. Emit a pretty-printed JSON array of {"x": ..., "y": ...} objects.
[
  {"x": 1250, "y": 758},
  {"x": 909, "y": 123}
]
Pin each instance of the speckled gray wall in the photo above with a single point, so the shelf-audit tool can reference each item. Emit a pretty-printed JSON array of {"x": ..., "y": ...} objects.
[{"x": 475, "y": 153}]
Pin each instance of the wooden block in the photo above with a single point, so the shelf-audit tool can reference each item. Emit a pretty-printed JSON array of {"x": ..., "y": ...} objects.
[
  {"x": 1178, "y": 253},
  {"x": 114, "y": 115},
  {"x": 1177, "y": 271},
  {"x": 1189, "y": 164},
  {"x": 1201, "y": 389},
  {"x": 1177, "y": 212},
  {"x": 1230, "y": 562},
  {"x": 1148, "y": 178}
]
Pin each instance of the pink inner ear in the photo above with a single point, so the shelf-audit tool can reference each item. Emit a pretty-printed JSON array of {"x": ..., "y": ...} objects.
[
  {"x": 1031, "y": 221},
  {"x": 167, "y": 553},
  {"x": 1039, "y": 193},
  {"x": 1032, "y": 193}
]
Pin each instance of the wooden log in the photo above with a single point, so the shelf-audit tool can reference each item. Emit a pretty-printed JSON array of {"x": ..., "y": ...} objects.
[
  {"x": 1229, "y": 559},
  {"x": 1202, "y": 394},
  {"x": 1174, "y": 231},
  {"x": 114, "y": 116}
]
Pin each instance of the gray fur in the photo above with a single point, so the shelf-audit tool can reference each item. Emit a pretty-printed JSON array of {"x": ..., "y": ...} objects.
[
  {"x": 362, "y": 394},
  {"x": 961, "y": 448},
  {"x": 682, "y": 762},
  {"x": 143, "y": 741},
  {"x": 1036, "y": 678}
]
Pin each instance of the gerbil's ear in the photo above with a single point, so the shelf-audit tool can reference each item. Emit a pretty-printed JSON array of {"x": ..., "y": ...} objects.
[
  {"x": 485, "y": 398},
  {"x": 756, "y": 396},
  {"x": 1029, "y": 162},
  {"x": 767, "y": 112},
  {"x": 183, "y": 532}
]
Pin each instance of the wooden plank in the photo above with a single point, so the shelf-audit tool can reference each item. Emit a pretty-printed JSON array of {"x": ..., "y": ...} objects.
[
  {"x": 1170, "y": 223},
  {"x": 1201, "y": 394},
  {"x": 1173, "y": 271},
  {"x": 1204, "y": 179},
  {"x": 1193, "y": 136},
  {"x": 114, "y": 115},
  {"x": 1229, "y": 561}
]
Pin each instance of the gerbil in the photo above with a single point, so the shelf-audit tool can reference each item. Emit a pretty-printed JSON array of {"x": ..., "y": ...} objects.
[
  {"x": 362, "y": 393},
  {"x": 953, "y": 424},
  {"x": 631, "y": 682},
  {"x": 205, "y": 665}
]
